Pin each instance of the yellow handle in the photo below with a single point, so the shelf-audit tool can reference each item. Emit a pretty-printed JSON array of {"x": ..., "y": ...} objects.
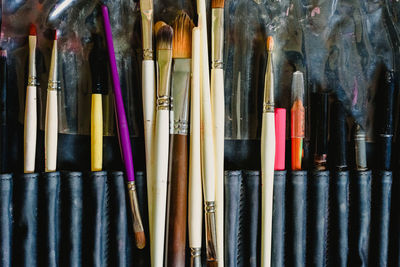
[{"x": 97, "y": 133}]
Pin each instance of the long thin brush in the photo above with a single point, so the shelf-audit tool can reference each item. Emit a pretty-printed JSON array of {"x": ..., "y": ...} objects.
[
  {"x": 164, "y": 35},
  {"x": 218, "y": 112},
  {"x": 3, "y": 111},
  {"x": 30, "y": 123},
  {"x": 123, "y": 134},
  {"x": 177, "y": 201},
  {"x": 267, "y": 159}
]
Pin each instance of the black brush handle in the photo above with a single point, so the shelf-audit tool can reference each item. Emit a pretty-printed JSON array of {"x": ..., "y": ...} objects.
[
  {"x": 338, "y": 154},
  {"x": 6, "y": 187},
  {"x": 278, "y": 219},
  {"x": 3, "y": 115}
]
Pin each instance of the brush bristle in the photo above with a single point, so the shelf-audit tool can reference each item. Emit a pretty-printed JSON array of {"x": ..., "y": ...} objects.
[
  {"x": 217, "y": 3},
  {"x": 158, "y": 25},
  {"x": 140, "y": 240},
  {"x": 32, "y": 30},
  {"x": 270, "y": 43},
  {"x": 212, "y": 263},
  {"x": 182, "y": 42},
  {"x": 3, "y": 53},
  {"x": 55, "y": 35},
  {"x": 164, "y": 36}
]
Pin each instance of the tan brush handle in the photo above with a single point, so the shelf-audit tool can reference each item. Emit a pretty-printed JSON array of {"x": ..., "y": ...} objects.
[
  {"x": 176, "y": 245},
  {"x": 51, "y": 132},
  {"x": 96, "y": 130},
  {"x": 30, "y": 129}
]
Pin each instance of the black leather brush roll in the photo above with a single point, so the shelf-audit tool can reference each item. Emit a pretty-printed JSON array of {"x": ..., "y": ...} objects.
[
  {"x": 339, "y": 220},
  {"x": 6, "y": 186},
  {"x": 25, "y": 207},
  {"x": 381, "y": 200},
  {"x": 360, "y": 216},
  {"x": 48, "y": 219},
  {"x": 278, "y": 220},
  {"x": 297, "y": 219},
  {"x": 318, "y": 218}
]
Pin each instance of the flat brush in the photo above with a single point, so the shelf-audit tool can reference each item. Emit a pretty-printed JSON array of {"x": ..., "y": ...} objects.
[
  {"x": 30, "y": 123},
  {"x": 218, "y": 112},
  {"x": 177, "y": 206},
  {"x": 164, "y": 35},
  {"x": 3, "y": 111},
  {"x": 51, "y": 121},
  {"x": 98, "y": 64},
  {"x": 267, "y": 159},
  {"x": 123, "y": 134},
  {"x": 148, "y": 91}
]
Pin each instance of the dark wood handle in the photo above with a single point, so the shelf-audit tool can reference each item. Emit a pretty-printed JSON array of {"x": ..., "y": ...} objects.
[{"x": 177, "y": 211}]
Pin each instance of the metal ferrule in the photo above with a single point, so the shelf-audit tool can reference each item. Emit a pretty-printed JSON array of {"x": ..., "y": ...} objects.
[
  {"x": 32, "y": 61},
  {"x": 269, "y": 101},
  {"x": 52, "y": 86},
  {"x": 195, "y": 257},
  {"x": 361, "y": 153},
  {"x": 146, "y": 10},
  {"x": 164, "y": 59},
  {"x": 53, "y": 83},
  {"x": 137, "y": 220},
  {"x": 180, "y": 95},
  {"x": 211, "y": 231},
  {"x": 217, "y": 40}
]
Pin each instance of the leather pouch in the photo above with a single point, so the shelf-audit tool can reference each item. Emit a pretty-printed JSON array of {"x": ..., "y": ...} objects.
[
  {"x": 95, "y": 220},
  {"x": 381, "y": 198},
  {"x": 71, "y": 194},
  {"x": 278, "y": 220},
  {"x": 360, "y": 216},
  {"x": 48, "y": 219},
  {"x": 297, "y": 219},
  {"x": 6, "y": 187},
  {"x": 339, "y": 220},
  {"x": 25, "y": 205},
  {"x": 318, "y": 218}
]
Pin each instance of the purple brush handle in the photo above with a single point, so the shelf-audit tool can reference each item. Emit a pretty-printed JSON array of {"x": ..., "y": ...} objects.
[{"x": 122, "y": 129}]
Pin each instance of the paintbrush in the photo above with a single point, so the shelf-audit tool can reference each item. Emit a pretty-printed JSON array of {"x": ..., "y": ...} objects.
[
  {"x": 164, "y": 35},
  {"x": 177, "y": 208},
  {"x": 51, "y": 121},
  {"x": 360, "y": 148},
  {"x": 98, "y": 64},
  {"x": 267, "y": 159},
  {"x": 123, "y": 134},
  {"x": 30, "y": 123},
  {"x": 320, "y": 109},
  {"x": 3, "y": 111},
  {"x": 195, "y": 206},
  {"x": 148, "y": 91},
  {"x": 218, "y": 112},
  {"x": 297, "y": 112}
]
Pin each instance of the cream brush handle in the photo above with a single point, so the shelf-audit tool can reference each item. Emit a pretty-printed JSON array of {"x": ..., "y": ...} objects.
[
  {"x": 195, "y": 187},
  {"x": 218, "y": 107},
  {"x": 267, "y": 179},
  {"x": 157, "y": 230},
  {"x": 51, "y": 131},
  {"x": 30, "y": 129},
  {"x": 149, "y": 99}
]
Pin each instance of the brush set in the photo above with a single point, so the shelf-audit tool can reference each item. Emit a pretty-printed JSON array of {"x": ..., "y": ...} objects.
[{"x": 190, "y": 207}]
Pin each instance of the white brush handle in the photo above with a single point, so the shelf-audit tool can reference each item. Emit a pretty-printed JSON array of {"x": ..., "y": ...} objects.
[
  {"x": 157, "y": 231},
  {"x": 195, "y": 215},
  {"x": 267, "y": 179},
  {"x": 30, "y": 129},
  {"x": 218, "y": 107},
  {"x": 51, "y": 132},
  {"x": 148, "y": 94}
]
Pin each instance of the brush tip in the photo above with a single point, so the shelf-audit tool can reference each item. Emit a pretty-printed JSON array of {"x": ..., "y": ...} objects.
[
  {"x": 32, "y": 30},
  {"x": 164, "y": 35},
  {"x": 217, "y": 3},
  {"x": 140, "y": 240},
  {"x": 3, "y": 53},
  {"x": 182, "y": 41},
  {"x": 55, "y": 35},
  {"x": 270, "y": 43},
  {"x": 158, "y": 25},
  {"x": 212, "y": 263}
]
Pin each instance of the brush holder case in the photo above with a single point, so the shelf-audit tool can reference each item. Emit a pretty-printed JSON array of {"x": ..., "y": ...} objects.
[{"x": 278, "y": 219}]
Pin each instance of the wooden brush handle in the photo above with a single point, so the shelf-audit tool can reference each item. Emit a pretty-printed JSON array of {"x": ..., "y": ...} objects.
[
  {"x": 157, "y": 230},
  {"x": 177, "y": 202},
  {"x": 51, "y": 131},
  {"x": 96, "y": 131},
  {"x": 30, "y": 129},
  {"x": 267, "y": 179},
  {"x": 148, "y": 94}
]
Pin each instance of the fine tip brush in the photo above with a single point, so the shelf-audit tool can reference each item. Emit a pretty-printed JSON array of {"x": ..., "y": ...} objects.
[
  {"x": 177, "y": 200},
  {"x": 267, "y": 158},
  {"x": 164, "y": 36},
  {"x": 123, "y": 133},
  {"x": 218, "y": 112},
  {"x": 51, "y": 121}
]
